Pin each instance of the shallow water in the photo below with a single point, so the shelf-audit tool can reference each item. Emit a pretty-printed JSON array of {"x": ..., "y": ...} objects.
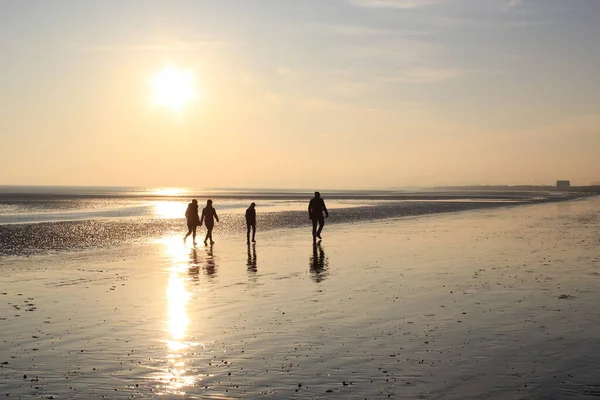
[{"x": 498, "y": 303}]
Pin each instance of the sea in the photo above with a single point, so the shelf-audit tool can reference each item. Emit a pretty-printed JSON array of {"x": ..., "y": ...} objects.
[{"x": 48, "y": 219}]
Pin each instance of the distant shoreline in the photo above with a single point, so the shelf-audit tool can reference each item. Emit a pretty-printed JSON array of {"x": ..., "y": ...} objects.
[{"x": 28, "y": 193}]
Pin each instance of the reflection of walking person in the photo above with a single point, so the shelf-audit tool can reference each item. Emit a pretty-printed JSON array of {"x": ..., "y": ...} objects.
[
  {"x": 251, "y": 262},
  {"x": 251, "y": 222},
  {"x": 193, "y": 267},
  {"x": 316, "y": 207},
  {"x": 193, "y": 221},
  {"x": 209, "y": 215},
  {"x": 318, "y": 263},
  {"x": 211, "y": 264}
]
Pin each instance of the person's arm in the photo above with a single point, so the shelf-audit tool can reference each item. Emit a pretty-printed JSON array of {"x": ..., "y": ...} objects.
[
  {"x": 325, "y": 209},
  {"x": 202, "y": 218},
  {"x": 216, "y": 216},
  {"x": 310, "y": 209}
]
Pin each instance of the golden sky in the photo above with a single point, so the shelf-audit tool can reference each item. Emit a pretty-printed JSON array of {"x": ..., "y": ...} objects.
[{"x": 302, "y": 94}]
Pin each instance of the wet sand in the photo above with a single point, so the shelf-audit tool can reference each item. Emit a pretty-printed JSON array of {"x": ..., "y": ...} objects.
[
  {"x": 497, "y": 303},
  {"x": 33, "y": 233}
]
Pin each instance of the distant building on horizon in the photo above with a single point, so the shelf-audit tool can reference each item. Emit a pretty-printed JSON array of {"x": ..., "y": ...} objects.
[{"x": 563, "y": 184}]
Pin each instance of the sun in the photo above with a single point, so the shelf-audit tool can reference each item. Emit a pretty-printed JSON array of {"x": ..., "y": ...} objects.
[{"x": 174, "y": 88}]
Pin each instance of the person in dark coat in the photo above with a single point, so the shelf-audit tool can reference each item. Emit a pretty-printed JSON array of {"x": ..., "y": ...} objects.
[
  {"x": 209, "y": 215},
  {"x": 193, "y": 220},
  {"x": 251, "y": 222},
  {"x": 316, "y": 208}
]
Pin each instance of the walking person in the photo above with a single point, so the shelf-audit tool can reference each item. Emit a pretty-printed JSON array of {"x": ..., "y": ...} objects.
[
  {"x": 316, "y": 208},
  {"x": 251, "y": 222},
  {"x": 209, "y": 215},
  {"x": 193, "y": 220}
]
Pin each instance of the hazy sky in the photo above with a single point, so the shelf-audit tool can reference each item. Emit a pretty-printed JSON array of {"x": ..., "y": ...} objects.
[{"x": 301, "y": 93}]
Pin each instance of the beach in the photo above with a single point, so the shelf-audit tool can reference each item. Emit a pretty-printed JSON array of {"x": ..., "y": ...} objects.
[{"x": 497, "y": 303}]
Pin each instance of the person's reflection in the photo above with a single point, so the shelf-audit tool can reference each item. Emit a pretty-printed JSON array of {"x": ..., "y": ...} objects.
[
  {"x": 210, "y": 269},
  {"x": 193, "y": 265},
  {"x": 251, "y": 262},
  {"x": 318, "y": 263}
]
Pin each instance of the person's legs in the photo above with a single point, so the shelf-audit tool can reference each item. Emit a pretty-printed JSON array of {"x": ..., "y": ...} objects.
[
  {"x": 253, "y": 232},
  {"x": 209, "y": 227},
  {"x": 321, "y": 224},
  {"x": 314, "y": 232},
  {"x": 190, "y": 229},
  {"x": 248, "y": 233},
  {"x": 207, "y": 233},
  {"x": 194, "y": 233}
]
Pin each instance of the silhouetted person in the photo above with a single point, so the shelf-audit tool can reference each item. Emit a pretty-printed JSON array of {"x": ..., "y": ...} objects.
[
  {"x": 193, "y": 220},
  {"x": 251, "y": 222},
  {"x": 209, "y": 215},
  {"x": 316, "y": 208}
]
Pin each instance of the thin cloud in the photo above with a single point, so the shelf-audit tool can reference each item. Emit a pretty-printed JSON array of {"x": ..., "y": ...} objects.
[
  {"x": 170, "y": 46},
  {"x": 398, "y": 4},
  {"x": 572, "y": 126},
  {"x": 318, "y": 105},
  {"x": 455, "y": 22},
  {"x": 362, "y": 31},
  {"x": 427, "y": 75},
  {"x": 288, "y": 72},
  {"x": 351, "y": 88},
  {"x": 513, "y": 3},
  {"x": 348, "y": 30},
  {"x": 399, "y": 51}
]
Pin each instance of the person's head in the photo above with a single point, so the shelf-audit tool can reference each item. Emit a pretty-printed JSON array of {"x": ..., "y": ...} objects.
[
  {"x": 253, "y": 204},
  {"x": 317, "y": 195},
  {"x": 195, "y": 201},
  {"x": 209, "y": 202}
]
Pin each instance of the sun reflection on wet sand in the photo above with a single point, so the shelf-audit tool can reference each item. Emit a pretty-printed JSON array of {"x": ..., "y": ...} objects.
[
  {"x": 176, "y": 251},
  {"x": 176, "y": 376},
  {"x": 169, "y": 209},
  {"x": 177, "y": 297}
]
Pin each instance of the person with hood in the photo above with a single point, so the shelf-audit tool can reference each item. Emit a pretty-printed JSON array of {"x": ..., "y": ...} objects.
[{"x": 193, "y": 220}]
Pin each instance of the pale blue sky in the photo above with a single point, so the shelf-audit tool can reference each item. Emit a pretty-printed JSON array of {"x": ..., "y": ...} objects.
[{"x": 340, "y": 93}]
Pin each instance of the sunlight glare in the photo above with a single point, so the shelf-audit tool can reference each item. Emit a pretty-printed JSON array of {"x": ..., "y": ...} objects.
[
  {"x": 169, "y": 191},
  {"x": 173, "y": 88},
  {"x": 169, "y": 209},
  {"x": 176, "y": 252},
  {"x": 176, "y": 377},
  {"x": 177, "y": 296}
]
